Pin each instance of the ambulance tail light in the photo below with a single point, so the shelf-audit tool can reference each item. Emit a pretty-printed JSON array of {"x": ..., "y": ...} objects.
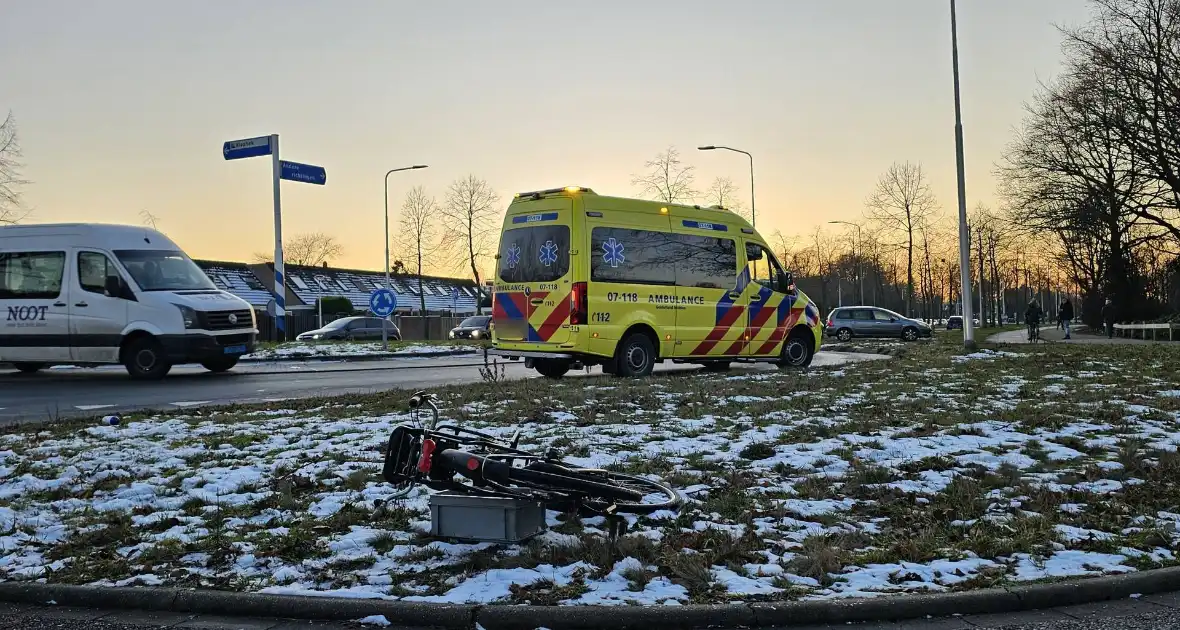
[{"x": 579, "y": 312}]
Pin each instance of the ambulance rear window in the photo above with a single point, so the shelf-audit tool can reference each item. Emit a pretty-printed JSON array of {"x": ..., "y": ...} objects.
[{"x": 539, "y": 253}]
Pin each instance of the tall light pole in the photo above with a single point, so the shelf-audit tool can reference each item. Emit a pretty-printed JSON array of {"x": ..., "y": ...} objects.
[
  {"x": 384, "y": 328},
  {"x": 753, "y": 215},
  {"x": 859, "y": 279},
  {"x": 964, "y": 237}
]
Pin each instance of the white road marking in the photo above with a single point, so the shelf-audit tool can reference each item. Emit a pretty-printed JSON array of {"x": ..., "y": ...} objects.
[
  {"x": 192, "y": 403},
  {"x": 88, "y": 407}
]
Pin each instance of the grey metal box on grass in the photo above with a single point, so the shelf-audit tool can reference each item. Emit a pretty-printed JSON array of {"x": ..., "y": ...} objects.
[{"x": 485, "y": 519}]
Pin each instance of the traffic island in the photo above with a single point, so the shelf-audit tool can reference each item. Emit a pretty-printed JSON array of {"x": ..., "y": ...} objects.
[{"x": 936, "y": 472}]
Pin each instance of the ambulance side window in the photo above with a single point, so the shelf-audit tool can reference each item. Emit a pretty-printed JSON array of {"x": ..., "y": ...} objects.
[{"x": 763, "y": 268}]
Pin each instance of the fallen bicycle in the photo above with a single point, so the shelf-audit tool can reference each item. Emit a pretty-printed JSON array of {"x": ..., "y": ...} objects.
[{"x": 497, "y": 492}]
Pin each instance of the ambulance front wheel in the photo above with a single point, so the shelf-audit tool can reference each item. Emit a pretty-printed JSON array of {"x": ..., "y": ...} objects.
[
  {"x": 798, "y": 351},
  {"x": 552, "y": 368}
]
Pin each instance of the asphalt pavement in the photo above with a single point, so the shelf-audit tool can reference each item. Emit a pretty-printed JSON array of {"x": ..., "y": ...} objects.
[
  {"x": 72, "y": 392},
  {"x": 1152, "y": 612}
]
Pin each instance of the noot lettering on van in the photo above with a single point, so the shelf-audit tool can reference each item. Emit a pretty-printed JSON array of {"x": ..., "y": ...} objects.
[
  {"x": 27, "y": 313},
  {"x": 26, "y": 316}
]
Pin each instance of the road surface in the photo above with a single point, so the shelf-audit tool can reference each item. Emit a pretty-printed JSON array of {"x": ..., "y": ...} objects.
[
  {"x": 61, "y": 393},
  {"x": 1153, "y": 612}
]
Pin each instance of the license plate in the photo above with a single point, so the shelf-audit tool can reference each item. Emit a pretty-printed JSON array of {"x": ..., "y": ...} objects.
[{"x": 235, "y": 349}]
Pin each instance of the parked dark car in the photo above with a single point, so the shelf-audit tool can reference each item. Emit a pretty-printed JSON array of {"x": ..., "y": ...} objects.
[
  {"x": 867, "y": 321},
  {"x": 955, "y": 322},
  {"x": 477, "y": 327},
  {"x": 352, "y": 329}
]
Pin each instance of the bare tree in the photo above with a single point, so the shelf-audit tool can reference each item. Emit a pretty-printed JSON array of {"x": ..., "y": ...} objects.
[
  {"x": 667, "y": 179},
  {"x": 723, "y": 192},
  {"x": 901, "y": 203},
  {"x": 1132, "y": 48},
  {"x": 417, "y": 233},
  {"x": 11, "y": 207},
  {"x": 306, "y": 250},
  {"x": 149, "y": 219},
  {"x": 469, "y": 223}
]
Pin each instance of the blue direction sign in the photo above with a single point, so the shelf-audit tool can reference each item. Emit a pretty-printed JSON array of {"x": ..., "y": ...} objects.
[
  {"x": 305, "y": 173},
  {"x": 382, "y": 302},
  {"x": 248, "y": 148}
]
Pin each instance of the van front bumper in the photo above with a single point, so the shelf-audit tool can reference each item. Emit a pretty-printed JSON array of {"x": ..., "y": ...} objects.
[{"x": 198, "y": 347}]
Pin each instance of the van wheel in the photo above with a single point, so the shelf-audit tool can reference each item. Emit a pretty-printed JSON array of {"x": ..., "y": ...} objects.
[
  {"x": 220, "y": 364},
  {"x": 717, "y": 366},
  {"x": 636, "y": 356},
  {"x": 550, "y": 368},
  {"x": 844, "y": 335},
  {"x": 797, "y": 352},
  {"x": 144, "y": 359},
  {"x": 29, "y": 368}
]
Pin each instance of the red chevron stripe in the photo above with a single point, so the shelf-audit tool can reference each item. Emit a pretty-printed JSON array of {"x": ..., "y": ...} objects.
[
  {"x": 554, "y": 321},
  {"x": 755, "y": 327},
  {"x": 719, "y": 331},
  {"x": 737, "y": 346},
  {"x": 780, "y": 332}
]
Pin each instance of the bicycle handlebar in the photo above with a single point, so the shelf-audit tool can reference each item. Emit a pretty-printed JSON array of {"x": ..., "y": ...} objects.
[{"x": 416, "y": 402}]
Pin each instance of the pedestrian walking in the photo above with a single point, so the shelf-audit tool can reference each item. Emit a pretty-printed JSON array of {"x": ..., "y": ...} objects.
[
  {"x": 1065, "y": 314},
  {"x": 1109, "y": 315}
]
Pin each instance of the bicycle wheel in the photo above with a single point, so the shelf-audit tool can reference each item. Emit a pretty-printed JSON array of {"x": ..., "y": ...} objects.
[{"x": 602, "y": 489}]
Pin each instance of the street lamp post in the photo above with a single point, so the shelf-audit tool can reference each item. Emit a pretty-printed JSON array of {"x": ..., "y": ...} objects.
[
  {"x": 859, "y": 278},
  {"x": 753, "y": 215},
  {"x": 964, "y": 238},
  {"x": 384, "y": 328}
]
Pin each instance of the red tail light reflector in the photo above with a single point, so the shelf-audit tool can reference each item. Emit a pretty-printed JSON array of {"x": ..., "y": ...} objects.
[{"x": 428, "y": 447}]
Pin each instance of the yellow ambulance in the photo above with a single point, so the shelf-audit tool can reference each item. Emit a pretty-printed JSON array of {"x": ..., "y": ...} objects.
[{"x": 584, "y": 279}]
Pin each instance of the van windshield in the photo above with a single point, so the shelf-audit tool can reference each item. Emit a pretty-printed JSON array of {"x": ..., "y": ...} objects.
[
  {"x": 539, "y": 253},
  {"x": 164, "y": 270}
]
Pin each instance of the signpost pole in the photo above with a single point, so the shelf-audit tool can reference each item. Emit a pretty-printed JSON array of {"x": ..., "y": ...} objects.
[{"x": 280, "y": 284}]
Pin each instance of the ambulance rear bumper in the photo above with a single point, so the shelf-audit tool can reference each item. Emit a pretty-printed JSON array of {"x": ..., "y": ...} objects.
[{"x": 526, "y": 354}]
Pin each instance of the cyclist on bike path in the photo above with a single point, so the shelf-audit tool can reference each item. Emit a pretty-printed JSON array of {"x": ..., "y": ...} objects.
[{"x": 1032, "y": 317}]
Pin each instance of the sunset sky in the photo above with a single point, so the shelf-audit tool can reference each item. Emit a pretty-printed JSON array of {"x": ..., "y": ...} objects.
[{"x": 123, "y": 105}]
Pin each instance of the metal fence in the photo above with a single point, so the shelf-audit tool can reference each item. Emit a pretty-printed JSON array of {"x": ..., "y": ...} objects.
[{"x": 429, "y": 328}]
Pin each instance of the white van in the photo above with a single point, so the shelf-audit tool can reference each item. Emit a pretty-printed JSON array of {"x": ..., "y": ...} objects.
[{"x": 86, "y": 294}]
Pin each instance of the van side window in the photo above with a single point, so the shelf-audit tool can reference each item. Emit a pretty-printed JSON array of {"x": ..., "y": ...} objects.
[
  {"x": 31, "y": 275},
  {"x": 93, "y": 269},
  {"x": 764, "y": 269}
]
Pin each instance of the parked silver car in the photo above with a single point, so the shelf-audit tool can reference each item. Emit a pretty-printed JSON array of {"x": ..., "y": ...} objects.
[{"x": 869, "y": 321}]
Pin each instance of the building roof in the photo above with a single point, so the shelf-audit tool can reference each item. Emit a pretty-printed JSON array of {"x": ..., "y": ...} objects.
[{"x": 311, "y": 283}]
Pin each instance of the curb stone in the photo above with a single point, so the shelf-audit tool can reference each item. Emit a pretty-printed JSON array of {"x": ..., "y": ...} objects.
[
  {"x": 381, "y": 356},
  {"x": 358, "y": 358},
  {"x": 507, "y": 617}
]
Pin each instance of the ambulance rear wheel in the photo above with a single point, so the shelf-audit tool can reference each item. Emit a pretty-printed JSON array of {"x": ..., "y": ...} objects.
[
  {"x": 636, "y": 356},
  {"x": 552, "y": 368}
]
